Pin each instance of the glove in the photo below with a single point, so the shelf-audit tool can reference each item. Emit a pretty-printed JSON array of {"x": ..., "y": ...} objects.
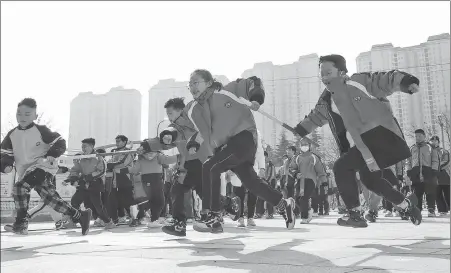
[{"x": 193, "y": 144}]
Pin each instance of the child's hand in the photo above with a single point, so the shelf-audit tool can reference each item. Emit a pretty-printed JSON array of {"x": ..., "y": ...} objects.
[
  {"x": 413, "y": 88},
  {"x": 8, "y": 169},
  {"x": 192, "y": 151},
  {"x": 255, "y": 105}
]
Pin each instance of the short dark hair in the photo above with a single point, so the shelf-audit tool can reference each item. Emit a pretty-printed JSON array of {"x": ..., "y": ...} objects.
[
  {"x": 435, "y": 138},
  {"x": 285, "y": 156},
  {"x": 28, "y": 102},
  {"x": 420, "y": 131},
  {"x": 293, "y": 148},
  {"x": 100, "y": 151},
  {"x": 265, "y": 153},
  {"x": 122, "y": 138},
  {"x": 176, "y": 103},
  {"x": 338, "y": 61},
  {"x": 89, "y": 141}
]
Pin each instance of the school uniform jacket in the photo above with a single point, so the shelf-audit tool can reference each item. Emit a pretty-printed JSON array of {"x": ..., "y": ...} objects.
[
  {"x": 367, "y": 116},
  {"x": 29, "y": 146}
]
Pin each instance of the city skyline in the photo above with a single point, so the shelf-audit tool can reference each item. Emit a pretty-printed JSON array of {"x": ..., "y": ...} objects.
[{"x": 101, "y": 52}]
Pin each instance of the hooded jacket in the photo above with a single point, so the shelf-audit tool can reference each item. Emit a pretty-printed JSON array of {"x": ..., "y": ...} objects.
[{"x": 366, "y": 113}]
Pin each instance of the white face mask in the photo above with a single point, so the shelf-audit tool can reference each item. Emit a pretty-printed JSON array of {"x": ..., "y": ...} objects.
[{"x": 305, "y": 148}]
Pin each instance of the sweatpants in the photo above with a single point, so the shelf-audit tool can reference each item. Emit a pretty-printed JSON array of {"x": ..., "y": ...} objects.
[
  {"x": 315, "y": 200},
  {"x": 427, "y": 187},
  {"x": 303, "y": 201},
  {"x": 323, "y": 202},
  {"x": 262, "y": 205},
  {"x": 443, "y": 192},
  {"x": 42, "y": 183},
  {"x": 237, "y": 155},
  {"x": 93, "y": 200},
  {"x": 251, "y": 201},
  {"x": 167, "y": 206},
  {"x": 120, "y": 200},
  {"x": 345, "y": 176},
  {"x": 293, "y": 190},
  {"x": 193, "y": 180},
  {"x": 153, "y": 187}
]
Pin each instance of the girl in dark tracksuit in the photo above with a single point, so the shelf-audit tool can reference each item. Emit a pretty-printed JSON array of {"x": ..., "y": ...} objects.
[{"x": 150, "y": 167}]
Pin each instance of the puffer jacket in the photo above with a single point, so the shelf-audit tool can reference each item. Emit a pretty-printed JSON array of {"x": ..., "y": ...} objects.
[
  {"x": 367, "y": 115},
  {"x": 151, "y": 163},
  {"x": 311, "y": 167}
]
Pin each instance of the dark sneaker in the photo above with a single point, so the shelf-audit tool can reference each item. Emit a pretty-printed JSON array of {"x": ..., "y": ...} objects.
[
  {"x": 353, "y": 219},
  {"x": 371, "y": 216},
  {"x": 320, "y": 213},
  {"x": 85, "y": 221},
  {"x": 326, "y": 213},
  {"x": 412, "y": 211},
  {"x": 8, "y": 227},
  {"x": 20, "y": 228},
  {"x": 404, "y": 215},
  {"x": 288, "y": 214},
  {"x": 342, "y": 211},
  {"x": 213, "y": 224},
  {"x": 175, "y": 228},
  {"x": 234, "y": 208},
  {"x": 58, "y": 224},
  {"x": 134, "y": 223}
]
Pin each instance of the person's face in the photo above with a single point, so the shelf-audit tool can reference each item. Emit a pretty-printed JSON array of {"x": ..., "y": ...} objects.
[
  {"x": 25, "y": 115},
  {"x": 435, "y": 143},
  {"x": 120, "y": 143},
  {"x": 419, "y": 137},
  {"x": 173, "y": 114},
  {"x": 305, "y": 147},
  {"x": 290, "y": 152},
  {"x": 87, "y": 148},
  {"x": 197, "y": 85},
  {"x": 328, "y": 72}
]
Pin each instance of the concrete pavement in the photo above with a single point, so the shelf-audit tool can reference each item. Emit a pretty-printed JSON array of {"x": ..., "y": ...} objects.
[{"x": 390, "y": 245}]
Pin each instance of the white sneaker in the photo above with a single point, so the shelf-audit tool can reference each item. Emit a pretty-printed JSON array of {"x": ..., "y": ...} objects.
[
  {"x": 389, "y": 214},
  {"x": 315, "y": 214},
  {"x": 122, "y": 220},
  {"x": 241, "y": 222},
  {"x": 250, "y": 222},
  {"x": 397, "y": 214},
  {"x": 305, "y": 221},
  {"x": 155, "y": 224},
  {"x": 189, "y": 221},
  {"x": 443, "y": 213},
  {"x": 99, "y": 223}
]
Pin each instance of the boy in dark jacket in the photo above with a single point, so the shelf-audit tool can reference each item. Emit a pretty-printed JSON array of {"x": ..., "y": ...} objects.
[
  {"x": 34, "y": 149},
  {"x": 364, "y": 112}
]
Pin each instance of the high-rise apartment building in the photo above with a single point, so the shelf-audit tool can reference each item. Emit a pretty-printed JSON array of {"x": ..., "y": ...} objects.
[
  {"x": 430, "y": 62},
  {"x": 104, "y": 116},
  {"x": 292, "y": 90}
]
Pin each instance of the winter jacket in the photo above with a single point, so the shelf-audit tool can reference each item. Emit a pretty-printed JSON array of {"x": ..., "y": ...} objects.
[
  {"x": 270, "y": 171},
  {"x": 444, "y": 167},
  {"x": 425, "y": 158},
  {"x": 151, "y": 163},
  {"x": 290, "y": 168},
  {"x": 29, "y": 146},
  {"x": 219, "y": 115},
  {"x": 94, "y": 167},
  {"x": 118, "y": 166},
  {"x": 366, "y": 114},
  {"x": 311, "y": 167}
]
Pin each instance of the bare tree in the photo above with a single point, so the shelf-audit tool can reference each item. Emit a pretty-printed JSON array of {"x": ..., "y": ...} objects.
[
  {"x": 445, "y": 126},
  {"x": 330, "y": 152}
]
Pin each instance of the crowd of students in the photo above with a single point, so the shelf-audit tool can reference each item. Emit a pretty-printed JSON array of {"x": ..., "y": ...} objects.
[{"x": 219, "y": 148}]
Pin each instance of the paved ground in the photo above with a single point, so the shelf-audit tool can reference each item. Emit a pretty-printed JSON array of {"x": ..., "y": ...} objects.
[{"x": 391, "y": 245}]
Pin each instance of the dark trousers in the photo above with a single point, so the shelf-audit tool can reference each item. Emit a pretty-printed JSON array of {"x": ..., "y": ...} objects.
[
  {"x": 303, "y": 201},
  {"x": 428, "y": 188},
  {"x": 292, "y": 189},
  {"x": 315, "y": 200},
  {"x": 260, "y": 207},
  {"x": 193, "y": 180},
  {"x": 120, "y": 200},
  {"x": 323, "y": 202},
  {"x": 237, "y": 155},
  {"x": 443, "y": 196},
  {"x": 378, "y": 182},
  {"x": 251, "y": 201},
  {"x": 167, "y": 199},
  {"x": 153, "y": 186},
  {"x": 92, "y": 200}
]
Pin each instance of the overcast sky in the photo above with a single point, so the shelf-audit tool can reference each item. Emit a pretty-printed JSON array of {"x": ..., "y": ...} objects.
[{"x": 51, "y": 51}]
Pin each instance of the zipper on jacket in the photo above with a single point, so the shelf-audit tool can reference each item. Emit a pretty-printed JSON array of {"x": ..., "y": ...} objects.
[{"x": 331, "y": 122}]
